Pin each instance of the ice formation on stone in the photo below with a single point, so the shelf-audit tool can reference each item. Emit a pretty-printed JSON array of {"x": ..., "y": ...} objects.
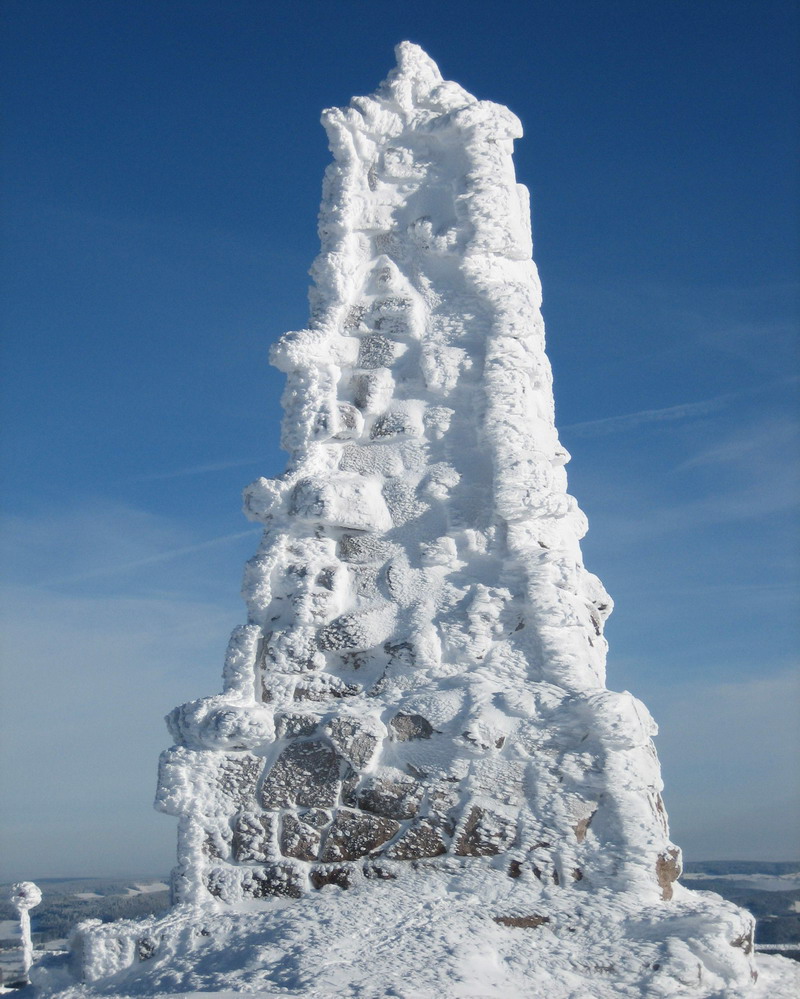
[
  {"x": 422, "y": 671},
  {"x": 415, "y": 714},
  {"x": 16, "y": 960}
]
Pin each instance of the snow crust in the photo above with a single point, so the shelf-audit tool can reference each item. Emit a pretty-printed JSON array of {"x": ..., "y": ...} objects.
[
  {"x": 414, "y": 748},
  {"x": 427, "y": 937}
]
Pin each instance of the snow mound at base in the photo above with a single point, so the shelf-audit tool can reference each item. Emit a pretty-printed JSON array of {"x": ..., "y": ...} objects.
[{"x": 420, "y": 937}]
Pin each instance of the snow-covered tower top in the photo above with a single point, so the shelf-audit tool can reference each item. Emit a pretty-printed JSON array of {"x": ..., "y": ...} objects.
[{"x": 421, "y": 677}]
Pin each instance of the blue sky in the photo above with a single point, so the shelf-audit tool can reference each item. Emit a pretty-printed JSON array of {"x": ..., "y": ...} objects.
[{"x": 162, "y": 171}]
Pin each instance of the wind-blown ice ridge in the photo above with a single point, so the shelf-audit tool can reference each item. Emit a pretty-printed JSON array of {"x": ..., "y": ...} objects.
[{"x": 416, "y": 706}]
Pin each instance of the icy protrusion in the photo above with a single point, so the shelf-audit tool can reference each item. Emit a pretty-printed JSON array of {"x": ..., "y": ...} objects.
[{"x": 15, "y": 962}]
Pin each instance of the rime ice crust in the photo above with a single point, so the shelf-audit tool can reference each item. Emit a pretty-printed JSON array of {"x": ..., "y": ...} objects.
[{"x": 420, "y": 684}]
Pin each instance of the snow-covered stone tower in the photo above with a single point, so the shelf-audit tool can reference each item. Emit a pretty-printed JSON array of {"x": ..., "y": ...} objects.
[
  {"x": 421, "y": 677},
  {"x": 419, "y": 690}
]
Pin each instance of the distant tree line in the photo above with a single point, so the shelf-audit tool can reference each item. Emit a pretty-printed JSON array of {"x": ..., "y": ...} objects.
[{"x": 58, "y": 914}]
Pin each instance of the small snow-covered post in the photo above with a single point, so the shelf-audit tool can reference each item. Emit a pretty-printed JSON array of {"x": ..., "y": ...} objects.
[{"x": 25, "y": 895}]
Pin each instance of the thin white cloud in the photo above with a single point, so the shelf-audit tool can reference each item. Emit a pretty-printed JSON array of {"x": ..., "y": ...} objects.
[
  {"x": 178, "y": 473},
  {"x": 164, "y": 556},
  {"x": 628, "y": 421},
  {"x": 668, "y": 414},
  {"x": 752, "y": 446}
]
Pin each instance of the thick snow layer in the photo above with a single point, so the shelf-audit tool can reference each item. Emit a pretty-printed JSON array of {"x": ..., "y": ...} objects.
[
  {"x": 415, "y": 781},
  {"x": 431, "y": 936}
]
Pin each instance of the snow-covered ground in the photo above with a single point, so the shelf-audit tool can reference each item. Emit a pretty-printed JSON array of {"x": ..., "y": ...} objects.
[{"x": 420, "y": 940}]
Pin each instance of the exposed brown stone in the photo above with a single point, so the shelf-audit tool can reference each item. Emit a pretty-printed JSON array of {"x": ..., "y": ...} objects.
[
  {"x": 306, "y": 774},
  {"x": 515, "y": 869},
  {"x": 582, "y": 825},
  {"x": 577, "y": 874},
  {"x": 355, "y": 834},
  {"x": 407, "y": 727},
  {"x": 316, "y": 817},
  {"x": 524, "y": 922},
  {"x": 424, "y": 838},
  {"x": 252, "y": 835},
  {"x": 485, "y": 833},
  {"x": 350, "y": 782},
  {"x": 289, "y": 725},
  {"x": 342, "y": 877},
  {"x": 146, "y": 947},
  {"x": 668, "y": 869},
  {"x": 745, "y": 941},
  {"x": 238, "y": 776},
  {"x": 299, "y": 839},
  {"x": 392, "y": 799},
  {"x": 272, "y": 879},
  {"x": 353, "y": 742}
]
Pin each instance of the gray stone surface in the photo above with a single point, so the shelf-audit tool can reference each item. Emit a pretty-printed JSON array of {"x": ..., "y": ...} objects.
[
  {"x": 272, "y": 879},
  {"x": 406, "y": 727},
  {"x": 424, "y": 838},
  {"x": 298, "y": 839},
  {"x": 252, "y": 837},
  {"x": 393, "y": 799},
  {"x": 238, "y": 776},
  {"x": 485, "y": 833},
  {"x": 306, "y": 774},
  {"x": 355, "y": 834},
  {"x": 352, "y": 741}
]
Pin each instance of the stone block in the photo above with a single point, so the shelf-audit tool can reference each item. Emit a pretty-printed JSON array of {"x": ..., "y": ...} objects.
[
  {"x": 291, "y": 725},
  {"x": 407, "y": 727},
  {"x": 252, "y": 837},
  {"x": 342, "y": 877},
  {"x": 375, "y": 351},
  {"x": 424, "y": 838},
  {"x": 361, "y": 549},
  {"x": 272, "y": 879},
  {"x": 298, "y": 839},
  {"x": 524, "y": 922},
  {"x": 316, "y": 817},
  {"x": 355, "y": 834},
  {"x": 238, "y": 775},
  {"x": 668, "y": 869},
  {"x": 353, "y": 741},
  {"x": 324, "y": 686},
  {"x": 305, "y": 774},
  {"x": 485, "y": 833},
  {"x": 391, "y": 799}
]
